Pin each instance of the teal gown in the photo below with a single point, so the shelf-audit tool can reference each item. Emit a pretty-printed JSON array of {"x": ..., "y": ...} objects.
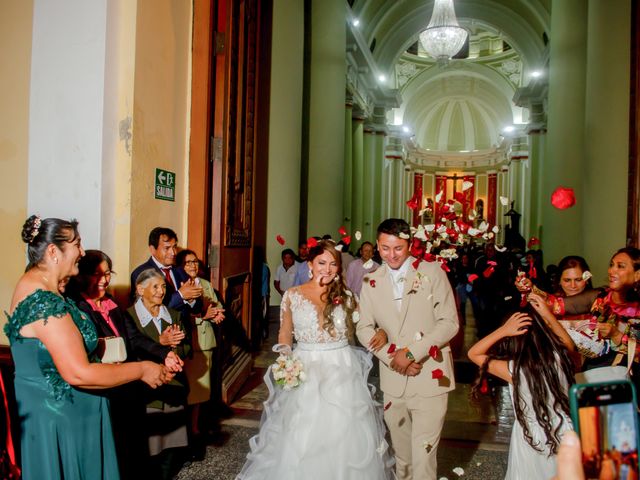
[{"x": 65, "y": 431}]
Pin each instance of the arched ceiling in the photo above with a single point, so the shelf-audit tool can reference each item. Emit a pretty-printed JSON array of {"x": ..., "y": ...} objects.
[{"x": 465, "y": 106}]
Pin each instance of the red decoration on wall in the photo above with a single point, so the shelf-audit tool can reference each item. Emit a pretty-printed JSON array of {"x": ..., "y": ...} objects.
[
  {"x": 417, "y": 194},
  {"x": 492, "y": 198},
  {"x": 441, "y": 186}
]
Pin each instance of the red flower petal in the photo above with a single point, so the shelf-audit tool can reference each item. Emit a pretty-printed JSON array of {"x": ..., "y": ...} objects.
[
  {"x": 312, "y": 242},
  {"x": 416, "y": 262},
  {"x": 437, "y": 374},
  {"x": 429, "y": 257},
  {"x": 415, "y": 202},
  {"x": 563, "y": 198},
  {"x": 472, "y": 277},
  {"x": 444, "y": 266},
  {"x": 459, "y": 196},
  {"x": 391, "y": 349},
  {"x": 386, "y": 407},
  {"x": 342, "y": 231},
  {"x": 280, "y": 239},
  {"x": 488, "y": 272},
  {"x": 417, "y": 248},
  {"x": 346, "y": 240},
  {"x": 532, "y": 242},
  {"x": 434, "y": 351},
  {"x": 484, "y": 386},
  {"x": 372, "y": 283}
]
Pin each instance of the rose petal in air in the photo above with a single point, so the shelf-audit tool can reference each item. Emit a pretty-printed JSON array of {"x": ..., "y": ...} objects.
[
  {"x": 280, "y": 239},
  {"x": 504, "y": 201},
  {"x": 358, "y": 235},
  {"x": 438, "y": 197},
  {"x": 458, "y": 471},
  {"x": 342, "y": 231},
  {"x": 466, "y": 185}
]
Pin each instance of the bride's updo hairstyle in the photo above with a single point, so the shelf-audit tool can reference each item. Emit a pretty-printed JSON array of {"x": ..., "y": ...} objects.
[
  {"x": 337, "y": 292},
  {"x": 37, "y": 233}
]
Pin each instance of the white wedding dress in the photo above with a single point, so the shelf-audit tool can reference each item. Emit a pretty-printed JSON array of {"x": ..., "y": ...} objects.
[{"x": 329, "y": 427}]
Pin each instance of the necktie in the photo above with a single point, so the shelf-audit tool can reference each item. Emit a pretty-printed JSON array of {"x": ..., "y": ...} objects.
[{"x": 167, "y": 274}]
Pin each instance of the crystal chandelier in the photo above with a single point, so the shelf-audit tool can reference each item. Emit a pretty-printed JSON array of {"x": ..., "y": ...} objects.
[{"x": 443, "y": 38}]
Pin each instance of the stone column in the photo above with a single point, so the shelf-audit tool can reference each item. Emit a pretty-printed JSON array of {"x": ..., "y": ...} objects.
[
  {"x": 357, "y": 188},
  {"x": 326, "y": 122},
  {"x": 348, "y": 167},
  {"x": 368, "y": 189},
  {"x": 564, "y": 159},
  {"x": 378, "y": 185}
]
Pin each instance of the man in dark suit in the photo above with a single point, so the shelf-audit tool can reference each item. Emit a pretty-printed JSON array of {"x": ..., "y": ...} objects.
[{"x": 182, "y": 292}]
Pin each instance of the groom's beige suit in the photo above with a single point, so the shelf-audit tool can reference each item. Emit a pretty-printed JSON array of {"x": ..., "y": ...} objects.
[{"x": 425, "y": 317}]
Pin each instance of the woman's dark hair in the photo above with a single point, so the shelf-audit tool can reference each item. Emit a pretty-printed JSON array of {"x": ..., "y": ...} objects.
[
  {"x": 572, "y": 261},
  {"x": 548, "y": 385},
  {"x": 337, "y": 292},
  {"x": 86, "y": 268},
  {"x": 38, "y": 233}
]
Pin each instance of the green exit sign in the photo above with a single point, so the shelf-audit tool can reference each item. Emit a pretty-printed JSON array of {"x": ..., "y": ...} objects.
[{"x": 165, "y": 185}]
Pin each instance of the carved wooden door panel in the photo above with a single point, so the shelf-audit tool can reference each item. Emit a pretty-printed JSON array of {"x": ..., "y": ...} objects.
[{"x": 241, "y": 37}]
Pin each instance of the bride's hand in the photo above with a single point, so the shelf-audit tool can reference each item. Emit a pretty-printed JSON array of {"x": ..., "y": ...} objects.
[{"x": 378, "y": 340}]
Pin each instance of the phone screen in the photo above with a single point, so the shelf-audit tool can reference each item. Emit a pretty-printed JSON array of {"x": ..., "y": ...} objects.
[{"x": 608, "y": 431}]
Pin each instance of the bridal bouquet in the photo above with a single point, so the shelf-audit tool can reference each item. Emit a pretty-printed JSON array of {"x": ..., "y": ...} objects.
[{"x": 288, "y": 371}]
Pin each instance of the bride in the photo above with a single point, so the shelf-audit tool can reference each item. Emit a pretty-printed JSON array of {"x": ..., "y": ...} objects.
[{"x": 329, "y": 426}]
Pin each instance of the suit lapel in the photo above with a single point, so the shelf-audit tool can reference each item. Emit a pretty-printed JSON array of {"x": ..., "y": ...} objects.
[{"x": 406, "y": 296}]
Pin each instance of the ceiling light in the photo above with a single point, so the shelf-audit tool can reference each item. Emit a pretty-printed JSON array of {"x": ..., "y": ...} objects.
[
  {"x": 443, "y": 38},
  {"x": 355, "y": 22},
  {"x": 382, "y": 78},
  {"x": 509, "y": 129},
  {"x": 536, "y": 74},
  {"x": 405, "y": 129}
]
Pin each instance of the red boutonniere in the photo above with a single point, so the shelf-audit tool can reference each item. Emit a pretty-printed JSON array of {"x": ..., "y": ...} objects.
[
  {"x": 437, "y": 374},
  {"x": 434, "y": 351},
  {"x": 391, "y": 349},
  {"x": 372, "y": 283}
]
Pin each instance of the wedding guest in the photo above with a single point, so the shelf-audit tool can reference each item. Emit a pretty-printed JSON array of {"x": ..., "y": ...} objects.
[
  {"x": 89, "y": 290},
  {"x": 286, "y": 272},
  {"x": 65, "y": 422},
  {"x": 166, "y": 422},
  {"x": 361, "y": 267},
  {"x": 198, "y": 366},
  {"x": 514, "y": 353},
  {"x": 182, "y": 293},
  {"x": 575, "y": 276}
]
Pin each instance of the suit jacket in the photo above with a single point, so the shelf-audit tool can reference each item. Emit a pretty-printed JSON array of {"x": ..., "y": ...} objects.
[
  {"x": 172, "y": 298},
  {"x": 138, "y": 345},
  {"x": 427, "y": 318}
]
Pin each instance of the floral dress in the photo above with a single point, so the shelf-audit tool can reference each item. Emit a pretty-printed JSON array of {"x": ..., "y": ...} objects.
[{"x": 65, "y": 431}]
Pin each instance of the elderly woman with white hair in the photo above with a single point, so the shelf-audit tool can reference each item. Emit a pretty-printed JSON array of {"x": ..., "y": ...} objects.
[{"x": 166, "y": 416}]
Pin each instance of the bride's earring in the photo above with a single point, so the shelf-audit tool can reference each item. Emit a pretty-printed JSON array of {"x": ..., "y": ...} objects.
[
  {"x": 310, "y": 274},
  {"x": 335, "y": 279},
  {"x": 55, "y": 260}
]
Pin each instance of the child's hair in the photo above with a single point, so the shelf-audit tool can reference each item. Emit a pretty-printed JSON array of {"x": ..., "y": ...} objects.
[{"x": 541, "y": 358}]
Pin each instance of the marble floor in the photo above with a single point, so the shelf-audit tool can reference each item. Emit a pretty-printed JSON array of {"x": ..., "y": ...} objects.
[{"x": 475, "y": 435}]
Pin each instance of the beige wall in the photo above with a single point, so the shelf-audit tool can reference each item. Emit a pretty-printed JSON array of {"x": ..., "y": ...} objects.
[
  {"x": 15, "y": 69},
  {"x": 160, "y": 119}
]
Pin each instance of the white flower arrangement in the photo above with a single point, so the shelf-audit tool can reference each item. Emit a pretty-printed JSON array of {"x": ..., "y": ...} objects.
[{"x": 288, "y": 371}]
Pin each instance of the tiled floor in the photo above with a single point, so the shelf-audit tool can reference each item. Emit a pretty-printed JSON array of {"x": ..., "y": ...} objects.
[{"x": 475, "y": 435}]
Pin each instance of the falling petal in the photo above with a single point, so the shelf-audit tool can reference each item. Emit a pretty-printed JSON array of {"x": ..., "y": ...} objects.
[
  {"x": 358, "y": 235},
  {"x": 342, "y": 231},
  {"x": 586, "y": 275},
  {"x": 495, "y": 229},
  {"x": 338, "y": 247},
  {"x": 420, "y": 234},
  {"x": 403, "y": 235},
  {"x": 280, "y": 239},
  {"x": 474, "y": 232},
  {"x": 499, "y": 248},
  {"x": 466, "y": 185},
  {"x": 430, "y": 228},
  {"x": 483, "y": 226},
  {"x": 368, "y": 264},
  {"x": 438, "y": 197},
  {"x": 504, "y": 201},
  {"x": 458, "y": 471}
]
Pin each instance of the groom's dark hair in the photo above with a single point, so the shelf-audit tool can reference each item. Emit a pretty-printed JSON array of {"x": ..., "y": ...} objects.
[{"x": 394, "y": 226}]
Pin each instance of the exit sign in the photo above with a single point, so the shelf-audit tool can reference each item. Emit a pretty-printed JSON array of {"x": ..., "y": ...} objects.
[{"x": 165, "y": 185}]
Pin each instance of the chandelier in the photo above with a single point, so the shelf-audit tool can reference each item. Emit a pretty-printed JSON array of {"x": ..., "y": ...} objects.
[{"x": 443, "y": 38}]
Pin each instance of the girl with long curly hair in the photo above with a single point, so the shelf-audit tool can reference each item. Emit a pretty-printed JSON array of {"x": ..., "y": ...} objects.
[
  {"x": 530, "y": 353},
  {"x": 329, "y": 426}
]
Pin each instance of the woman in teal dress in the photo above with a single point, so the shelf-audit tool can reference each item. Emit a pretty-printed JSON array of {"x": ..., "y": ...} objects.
[{"x": 65, "y": 428}]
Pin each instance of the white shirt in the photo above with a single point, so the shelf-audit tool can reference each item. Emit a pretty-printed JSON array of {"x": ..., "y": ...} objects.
[
  {"x": 398, "y": 277},
  {"x": 145, "y": 316},
  {"x": 286, "y": 278}
]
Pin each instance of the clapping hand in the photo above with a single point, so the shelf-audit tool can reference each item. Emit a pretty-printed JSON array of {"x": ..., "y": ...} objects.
[
  {"x": 517, "y": 324},
  {"x": 172, "y": 336},
  {"x": 173, "y": 362},
  {"x": 190, "y": 290},
  {"x": 215, "y": 314}
]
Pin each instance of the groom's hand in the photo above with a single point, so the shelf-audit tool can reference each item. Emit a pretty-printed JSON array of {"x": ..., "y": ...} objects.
[
  {"x": 413, "y": 369},
  {"x": 400, "y": 361}
]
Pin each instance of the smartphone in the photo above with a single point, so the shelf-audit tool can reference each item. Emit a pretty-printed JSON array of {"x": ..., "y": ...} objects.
[{"x": 605, "y": 417}]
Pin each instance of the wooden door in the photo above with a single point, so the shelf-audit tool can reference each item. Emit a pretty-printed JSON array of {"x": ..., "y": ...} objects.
[{"x": 240, "y": 71}]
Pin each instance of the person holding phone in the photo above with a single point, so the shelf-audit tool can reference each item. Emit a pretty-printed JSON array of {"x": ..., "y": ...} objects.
[{"x": 527, "y": 353}]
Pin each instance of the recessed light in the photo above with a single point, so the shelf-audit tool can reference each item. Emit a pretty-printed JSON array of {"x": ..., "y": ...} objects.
[
  {"x": 382, "y": 78},
  {"x": 355, "y": 22}
]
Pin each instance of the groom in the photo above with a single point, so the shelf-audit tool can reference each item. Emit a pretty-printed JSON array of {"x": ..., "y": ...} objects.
[{"x": 416, "y": 308}]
